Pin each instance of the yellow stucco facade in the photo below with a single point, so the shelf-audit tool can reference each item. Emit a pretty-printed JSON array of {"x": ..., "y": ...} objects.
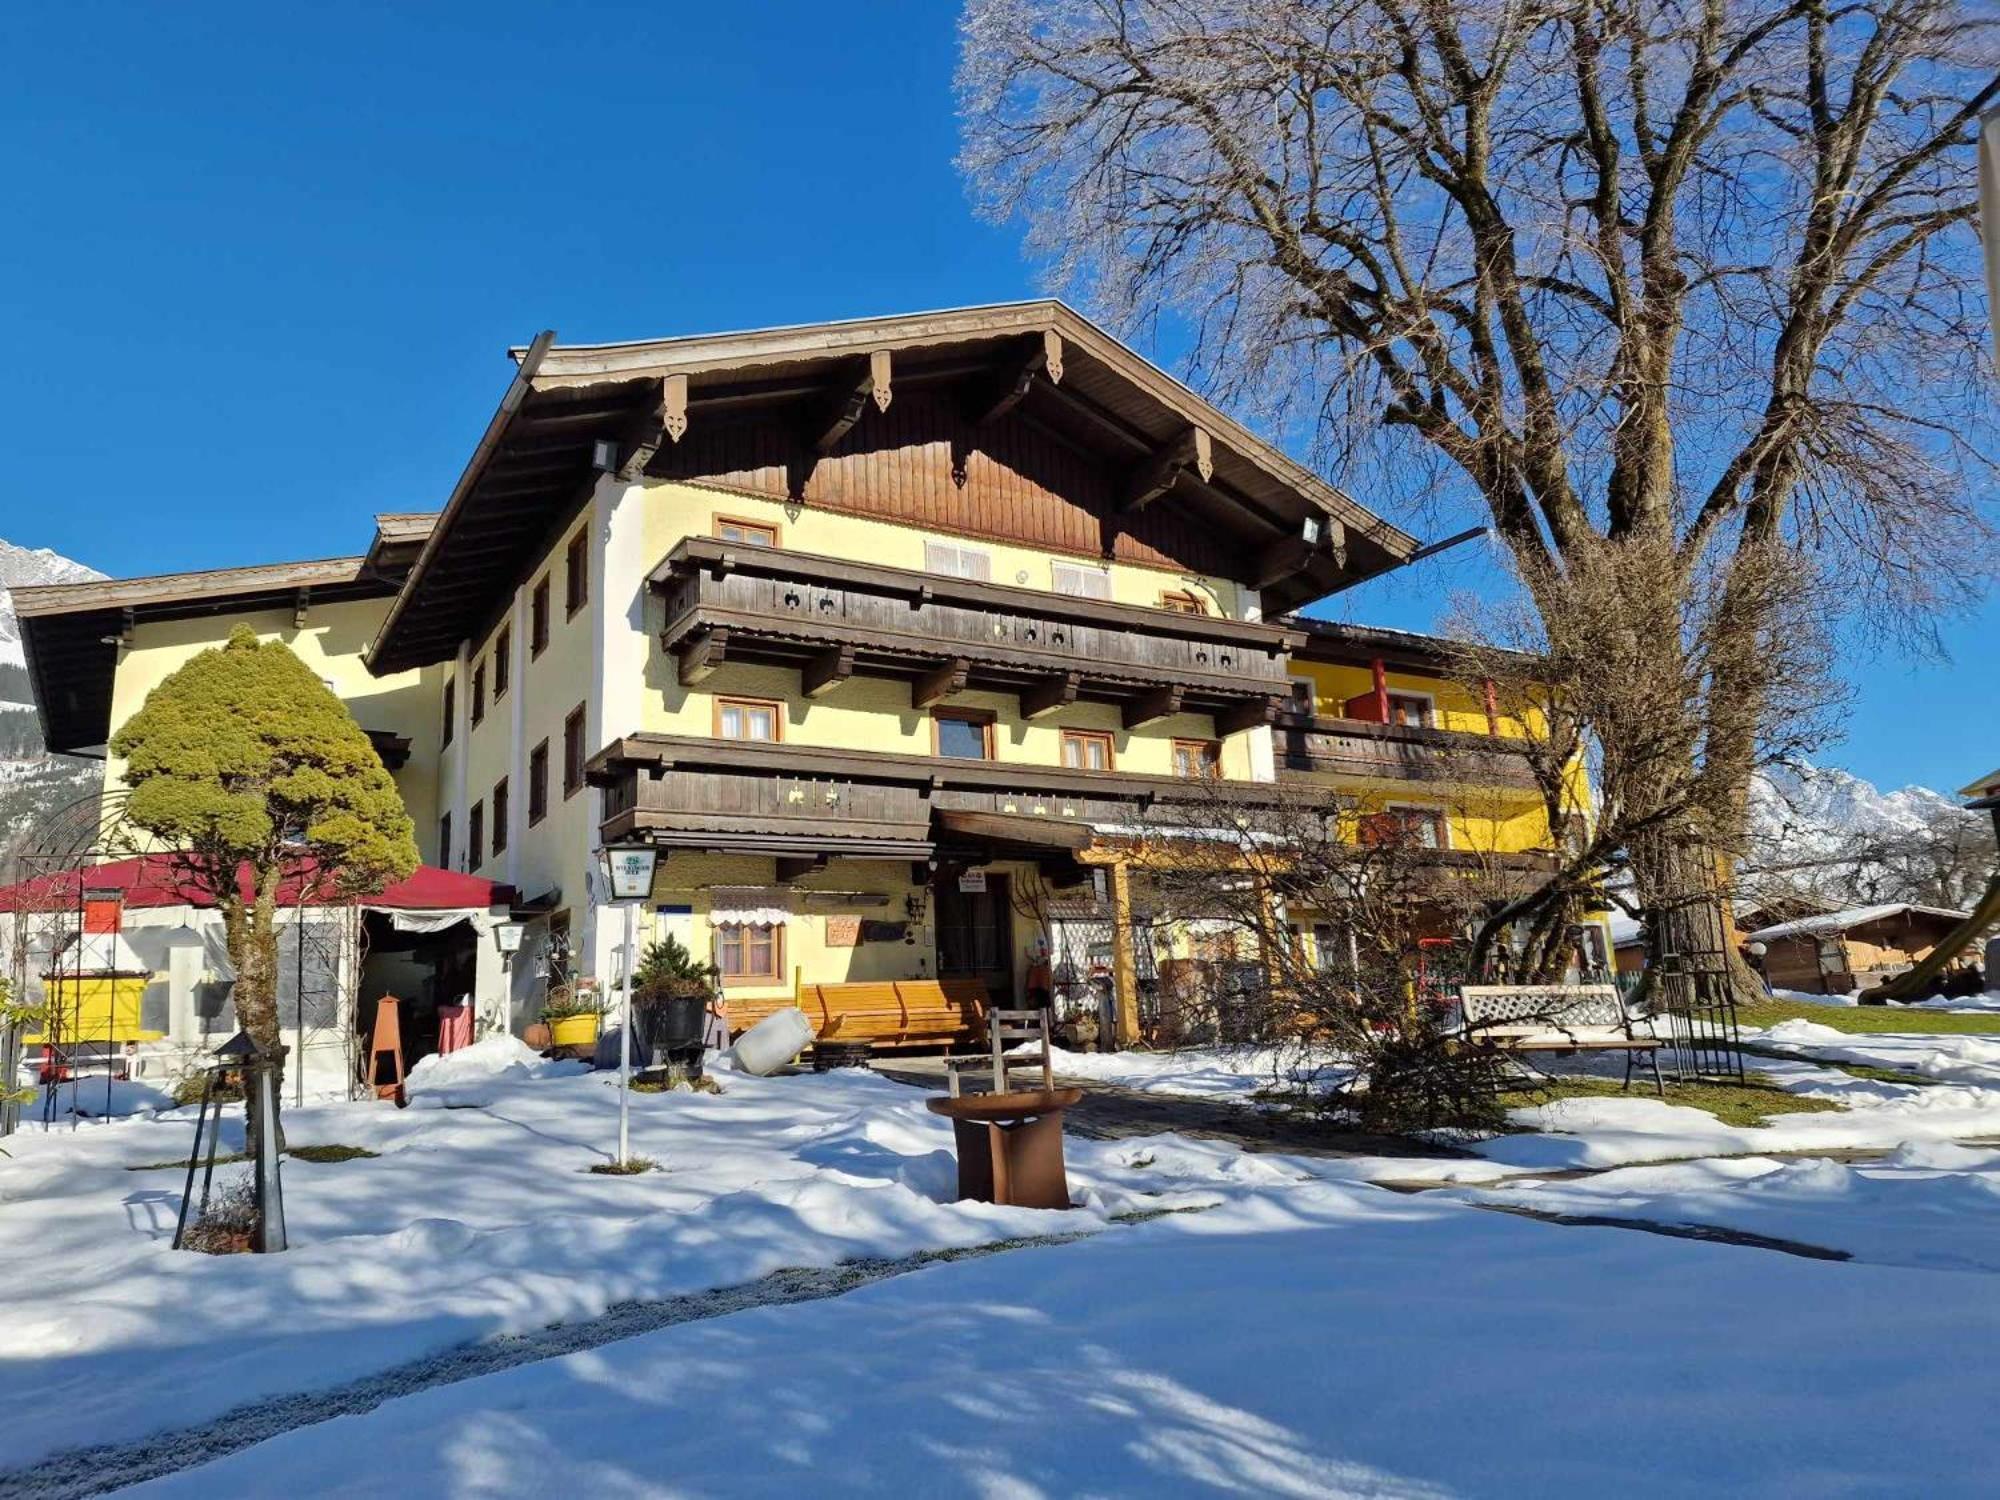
[
  {"x": 1488, "y": 819},
  {"x": 331, "y": 643}
]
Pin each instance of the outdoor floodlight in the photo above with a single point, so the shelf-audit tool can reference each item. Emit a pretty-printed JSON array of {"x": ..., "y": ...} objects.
[
  {"x": 604, "y": 455},
  {"x": 1310, "y": 531},
  {"x": 628, "y": 870}
]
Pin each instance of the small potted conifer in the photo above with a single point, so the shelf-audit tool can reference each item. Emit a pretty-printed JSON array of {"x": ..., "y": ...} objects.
[{"x": 671, "y": 992}]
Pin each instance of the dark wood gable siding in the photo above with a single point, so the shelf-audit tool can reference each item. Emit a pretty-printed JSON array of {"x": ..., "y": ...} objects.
[{"x": 922, "y": 464}]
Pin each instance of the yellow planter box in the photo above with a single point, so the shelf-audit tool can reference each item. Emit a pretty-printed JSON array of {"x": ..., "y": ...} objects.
[
  {"x": 98, "y": 1007},
  {"x": 573, "y": 1031}
]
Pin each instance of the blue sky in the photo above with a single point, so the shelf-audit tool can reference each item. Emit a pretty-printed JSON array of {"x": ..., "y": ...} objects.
[{"x": 261, "y": 262}]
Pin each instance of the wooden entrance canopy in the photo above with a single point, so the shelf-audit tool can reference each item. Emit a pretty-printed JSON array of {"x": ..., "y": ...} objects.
[{"x": 1020, "y": 422}]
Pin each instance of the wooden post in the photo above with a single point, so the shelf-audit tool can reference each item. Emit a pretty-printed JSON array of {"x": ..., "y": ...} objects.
[
  {"x": 1381, "y": 692},
  {"x": 1492, "y": 709},
  {"x": 1124, "y": 962},
  {"x": 1271, "y": 932}
]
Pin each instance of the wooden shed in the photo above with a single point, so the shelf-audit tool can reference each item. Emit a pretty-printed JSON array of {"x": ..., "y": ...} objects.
[{"x": 1841, "y": 952}]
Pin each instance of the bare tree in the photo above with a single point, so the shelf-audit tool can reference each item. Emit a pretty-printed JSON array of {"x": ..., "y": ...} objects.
[
  {"x": 1682, "y": 293},
  {"x": 1333, "y": 934},
  {"x": 1614, "y": 739}
]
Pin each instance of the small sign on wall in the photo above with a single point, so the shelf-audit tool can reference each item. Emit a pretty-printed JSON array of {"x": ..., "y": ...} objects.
[
  {"x": 972, "y": 883},
  {"x": 843, "y": 932}
]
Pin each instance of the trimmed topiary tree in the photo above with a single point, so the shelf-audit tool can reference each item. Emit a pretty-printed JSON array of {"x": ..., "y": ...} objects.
[{"x": 250, "y": 770}]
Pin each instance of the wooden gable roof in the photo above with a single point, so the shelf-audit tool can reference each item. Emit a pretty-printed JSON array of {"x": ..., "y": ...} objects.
[{"x": 1022, "y": 421}]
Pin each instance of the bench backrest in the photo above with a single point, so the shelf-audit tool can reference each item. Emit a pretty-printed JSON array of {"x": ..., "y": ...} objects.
[
  {"x": 1517, "y": 1009},
  {"x": 889, "y": 1013},
  {"x": 1004, "y": 1026}
]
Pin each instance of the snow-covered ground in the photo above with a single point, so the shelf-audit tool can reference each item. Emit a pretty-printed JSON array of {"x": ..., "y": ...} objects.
[
  {"x": 1946, "y": 1057},
  {"x": 1611, "y": 1132},
  {"x": 1925, "y": 1204},
  {"x": 1305, "y": 1339},
  {"x": 1298, "y": 1331},
  {"x": 473, "y": 1221},
  {"x": 1967, "y": 1005}
]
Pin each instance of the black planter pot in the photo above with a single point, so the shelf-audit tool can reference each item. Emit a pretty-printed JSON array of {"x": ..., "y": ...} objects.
[{"x": 670, "y": 1029}]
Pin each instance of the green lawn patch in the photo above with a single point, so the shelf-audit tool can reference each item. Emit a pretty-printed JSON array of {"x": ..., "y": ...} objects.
[
  {"x": 1856, "y": 1019},
  {"x": 1746, "y": 1103},
  {"x": 302, "y": 1153},
  {"x": 632, "y": 1166},
  {"x": 330, "y": 1153}
]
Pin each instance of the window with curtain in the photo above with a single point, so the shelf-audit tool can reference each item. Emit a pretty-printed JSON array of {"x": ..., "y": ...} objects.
[
  {"x": 748, "y": 719},
  {"x": 749, "y": 951},
  {"x": 1086, "y": 750}
]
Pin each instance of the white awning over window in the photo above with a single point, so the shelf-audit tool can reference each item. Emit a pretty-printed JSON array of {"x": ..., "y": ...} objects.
[{"x": 749, "y": 906}]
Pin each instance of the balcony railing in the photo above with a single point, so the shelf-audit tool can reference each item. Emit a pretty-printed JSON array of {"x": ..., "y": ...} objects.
[
  {"x": 751, "y": 796},
  {"x": 834, "y": 619},
  {"x": 1310, "y": 746}
]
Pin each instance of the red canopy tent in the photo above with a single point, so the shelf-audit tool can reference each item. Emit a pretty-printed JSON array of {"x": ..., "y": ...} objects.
[{"x": 150, "y": 880}]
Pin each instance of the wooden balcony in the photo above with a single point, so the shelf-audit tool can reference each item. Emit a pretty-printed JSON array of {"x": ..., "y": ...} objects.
[
  {"x": 1311, "y": 747},
  {"x": 834, "y": 619},
  {"x": 783, "y": 799}
]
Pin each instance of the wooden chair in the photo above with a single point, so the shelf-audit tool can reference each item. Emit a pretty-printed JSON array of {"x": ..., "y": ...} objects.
[
  {"x": 1002, "y": 1028},
  {"x": 1009, "y": 1141}
]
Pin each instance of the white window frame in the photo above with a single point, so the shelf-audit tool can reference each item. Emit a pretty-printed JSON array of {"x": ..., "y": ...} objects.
[
  {"x": 1430, "y": 706},
  {"x": 1443, "y": 817}
]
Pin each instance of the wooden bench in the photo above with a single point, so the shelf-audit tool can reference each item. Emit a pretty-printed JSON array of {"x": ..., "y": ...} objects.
[
  {"x": 886, "y": 1014},
  {"x": 1529, "y": 1018}
]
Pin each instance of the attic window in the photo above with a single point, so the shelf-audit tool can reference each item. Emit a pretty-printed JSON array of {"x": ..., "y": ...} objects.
[
  {"x": 1080, "y": 581},
  {"x": 955, "y": 561}
]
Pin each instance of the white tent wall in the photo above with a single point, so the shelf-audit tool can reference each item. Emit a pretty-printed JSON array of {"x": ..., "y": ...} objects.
[
  {"x": 323, "y": 1045},
  {"x": 318, "y": 1034}
]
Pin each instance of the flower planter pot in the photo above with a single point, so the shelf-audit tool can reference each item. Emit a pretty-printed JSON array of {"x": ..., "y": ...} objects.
[
  {"x": 574, "y": 1031},
  {"x": 669, "y": 1029}
]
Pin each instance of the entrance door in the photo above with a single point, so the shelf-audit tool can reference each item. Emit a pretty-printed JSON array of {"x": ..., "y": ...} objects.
[{"x": 974, "y": 933}]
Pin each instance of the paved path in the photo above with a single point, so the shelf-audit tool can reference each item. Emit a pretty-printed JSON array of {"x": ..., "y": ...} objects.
[{"x": 1111, "y": 1113}]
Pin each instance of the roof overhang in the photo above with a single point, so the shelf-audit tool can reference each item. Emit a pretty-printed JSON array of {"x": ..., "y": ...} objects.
[
  {"x": 72, "y": 632},
  {"x": 537, "y": 463},
  {"x": 1336, "y": 641}
]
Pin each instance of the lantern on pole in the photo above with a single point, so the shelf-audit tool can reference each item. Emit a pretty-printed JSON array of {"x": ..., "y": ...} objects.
[
  {"x": 258, "y": 1069},
  {"x": 627, "y": 870}
]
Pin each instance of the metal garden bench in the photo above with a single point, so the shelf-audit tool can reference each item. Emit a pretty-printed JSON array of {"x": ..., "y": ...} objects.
[{"x": 1530, "y": 1018}]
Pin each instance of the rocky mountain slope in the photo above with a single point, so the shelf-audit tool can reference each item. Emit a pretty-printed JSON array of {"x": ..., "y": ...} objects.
[
  {"x": 1828, "y": 835},
  {"x": 33, "y": 783}
]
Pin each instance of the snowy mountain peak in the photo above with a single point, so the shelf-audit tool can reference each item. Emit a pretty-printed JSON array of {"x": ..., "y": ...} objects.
[
  {"x": 27, "y": 566},
  {"x": 1823, "y": 801},
  {"x": 33, "y": 783},
  {"x": 1822, "y": 839}
]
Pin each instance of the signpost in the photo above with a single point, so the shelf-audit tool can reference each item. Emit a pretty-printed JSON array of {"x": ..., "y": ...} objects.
[{"x": 628, "y": 881}]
